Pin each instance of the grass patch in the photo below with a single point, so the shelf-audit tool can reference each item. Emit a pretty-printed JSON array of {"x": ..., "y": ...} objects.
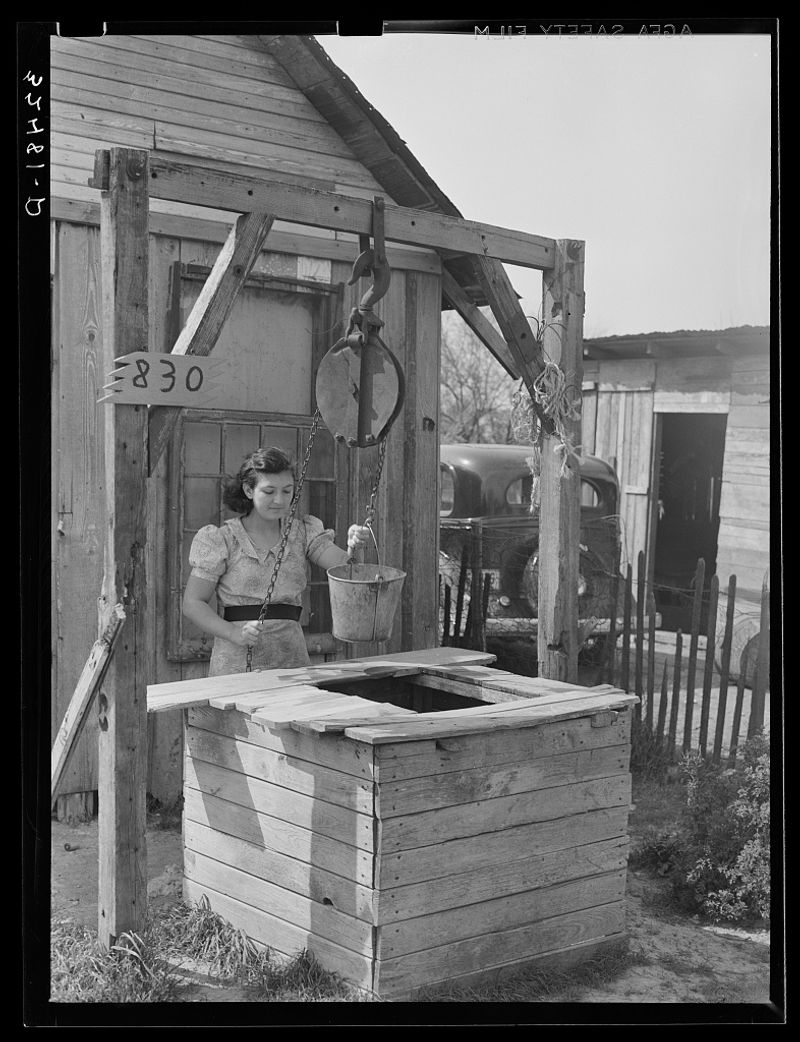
[
  {"x": 547, "y": 985},
  {"x": 81, "y": 971},
  {"x": 146, "y": 967},
  {"x": 198, "y": 933}
]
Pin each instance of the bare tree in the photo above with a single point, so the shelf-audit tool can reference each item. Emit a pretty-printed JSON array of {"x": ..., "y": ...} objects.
[{"x": 475, "y": 391}]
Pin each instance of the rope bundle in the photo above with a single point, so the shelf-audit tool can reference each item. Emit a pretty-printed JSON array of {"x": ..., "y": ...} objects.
[{"x": 551, "y": 395}]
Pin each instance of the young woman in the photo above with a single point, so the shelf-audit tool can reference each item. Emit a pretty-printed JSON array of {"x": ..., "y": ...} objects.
[{"x": 235, "y": 561}]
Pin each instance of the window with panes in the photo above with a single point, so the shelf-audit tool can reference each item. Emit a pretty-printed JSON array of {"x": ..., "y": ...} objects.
[{"x": 292, "y": 319}]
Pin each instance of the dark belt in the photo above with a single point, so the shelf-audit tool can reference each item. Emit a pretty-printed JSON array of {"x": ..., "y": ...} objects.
[{"x": 244, "y": 612}]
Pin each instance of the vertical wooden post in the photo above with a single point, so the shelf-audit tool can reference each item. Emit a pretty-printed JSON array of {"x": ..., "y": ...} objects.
[
  {"x": 559, "y": 512},
  {"x": 420, "y": 425},
  {"x": 122, "y": 775}
]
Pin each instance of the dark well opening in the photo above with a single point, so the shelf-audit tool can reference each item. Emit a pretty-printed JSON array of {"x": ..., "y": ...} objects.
[{"x": 403, "y": 692}]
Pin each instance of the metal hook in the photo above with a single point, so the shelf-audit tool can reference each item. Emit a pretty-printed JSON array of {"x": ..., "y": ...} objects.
[{"x": 373, "y": 261}]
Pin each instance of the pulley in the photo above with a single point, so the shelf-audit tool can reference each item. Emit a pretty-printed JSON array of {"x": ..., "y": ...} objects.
[{"x": 360, "y": 384}]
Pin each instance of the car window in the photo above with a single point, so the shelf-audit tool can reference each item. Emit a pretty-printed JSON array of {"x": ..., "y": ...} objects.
[
  {"x": 518, "y": 493},
  {"x": 589, "y": 495},
  {"x": 447, "y": 501}
]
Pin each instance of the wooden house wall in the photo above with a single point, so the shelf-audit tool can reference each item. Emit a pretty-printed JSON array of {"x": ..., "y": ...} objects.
[
  {"x": 745, "y": 501},
  {"x": 620, "y": 403},
  {"x": 617, "y": 425},
  {"x": 221, "y": 102}
]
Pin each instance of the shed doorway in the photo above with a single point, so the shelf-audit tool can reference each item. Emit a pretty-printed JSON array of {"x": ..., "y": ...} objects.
[{"x": 689, "y": 483}]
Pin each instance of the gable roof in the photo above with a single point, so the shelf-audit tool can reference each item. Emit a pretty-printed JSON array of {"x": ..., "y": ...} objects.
[{"x": 370, "y": 136}]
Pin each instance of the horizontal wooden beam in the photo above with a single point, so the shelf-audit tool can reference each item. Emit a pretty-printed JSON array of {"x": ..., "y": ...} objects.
[
  {"x": 281, "y": 240},
  {"x": 479, "y": 324},
  {"x": 240, "y": 193}
]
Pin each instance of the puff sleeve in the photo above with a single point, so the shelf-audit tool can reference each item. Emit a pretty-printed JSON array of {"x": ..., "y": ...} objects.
[
  {"x": 318, "y": 538},
  {"x": 208, "y": 555}
]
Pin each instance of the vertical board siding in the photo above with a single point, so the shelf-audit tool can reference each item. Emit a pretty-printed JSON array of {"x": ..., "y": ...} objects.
[
  {"x": 78, "y": 479},
  {"x": 745, "y": 499}
]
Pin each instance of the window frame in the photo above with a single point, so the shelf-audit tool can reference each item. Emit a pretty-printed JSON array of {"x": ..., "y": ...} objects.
[{"x": 326, "y": 317}]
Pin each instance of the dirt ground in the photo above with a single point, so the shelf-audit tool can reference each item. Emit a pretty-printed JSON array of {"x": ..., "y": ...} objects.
[{"x": 679, "y": 959}]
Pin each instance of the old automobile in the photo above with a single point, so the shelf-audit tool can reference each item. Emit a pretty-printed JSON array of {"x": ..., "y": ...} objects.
[{"x": 489, "y": 528}]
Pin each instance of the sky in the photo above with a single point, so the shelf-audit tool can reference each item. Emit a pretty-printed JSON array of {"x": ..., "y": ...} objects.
[{"x": 654, "y": 151}]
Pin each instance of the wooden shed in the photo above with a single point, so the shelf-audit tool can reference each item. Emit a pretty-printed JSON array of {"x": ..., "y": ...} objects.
[
  {"x": 410, "y": 819},
  {"x": 211, "y": 112},
  {"x": 685, "y": 419}
]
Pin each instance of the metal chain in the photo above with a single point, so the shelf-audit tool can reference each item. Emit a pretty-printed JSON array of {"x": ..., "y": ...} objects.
[
  {"x": 374, "y": 494},
  {"x": 286, "y": 530}
]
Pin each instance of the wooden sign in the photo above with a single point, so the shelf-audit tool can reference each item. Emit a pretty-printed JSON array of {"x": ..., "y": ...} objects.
[{"x": 185, "y": 381}]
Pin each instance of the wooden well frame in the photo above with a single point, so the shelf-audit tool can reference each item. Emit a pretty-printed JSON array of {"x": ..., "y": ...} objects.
[{"x": 136, "y": 435}]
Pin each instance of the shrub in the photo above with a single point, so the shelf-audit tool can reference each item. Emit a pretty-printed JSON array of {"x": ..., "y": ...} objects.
[{"x": 719, "y": 859}]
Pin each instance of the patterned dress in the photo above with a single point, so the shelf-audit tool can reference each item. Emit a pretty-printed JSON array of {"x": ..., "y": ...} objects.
[{"x": 226, "y": 556}]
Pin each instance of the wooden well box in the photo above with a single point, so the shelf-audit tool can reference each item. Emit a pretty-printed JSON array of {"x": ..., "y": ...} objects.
[{"x": 409, "y": 819}]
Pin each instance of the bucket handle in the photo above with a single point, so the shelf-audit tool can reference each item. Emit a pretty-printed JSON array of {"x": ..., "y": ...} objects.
[{"x": 355, "y": 551}]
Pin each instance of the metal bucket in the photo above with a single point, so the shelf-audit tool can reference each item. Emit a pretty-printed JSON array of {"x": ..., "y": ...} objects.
[{"x": 364, "y": 599}]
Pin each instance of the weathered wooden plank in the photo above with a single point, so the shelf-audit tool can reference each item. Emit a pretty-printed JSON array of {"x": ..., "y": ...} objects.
[
  {"x": 240, "y": 193},
  {"x": 491, "y": 718},
  {"x": 420, "y": 419},
  {"x": 403, "y": 760},
  {"x": 290, "y": 694},
  {"x": 560, "y": 960},
  {"x": 258, "y": 96},
  {"x": 697, "y": 605},
  {"x": 122, "y": 749},
  {"x": 403, "y": 934},
  {"x": 315, "y": 917},
  {"x": 88, "y": 684},
  {"x": 337, "y": 724},
  {"x": 725, "y": 666},
  {"x": 186, "y": 55},
  {"x": 340, "y": 705},
  {"x": 282, "y": 838},
  {"x": 340, "y": 754},
  {"x": 278, "y": 769},
  {"x": 424, "y": 968},
  {"x": 481, "y": 854},
  {"x": 77, "y": 495},
  {"x": 410, "y": 796},
  {"x": 761, "y": 682},
  {"x": 747, "y": 416},
  {"x": 313, "y": 882},
  {"x": 676, "y": 691},
  {"x": 304, "y": 811},
  {"x": 478, "y": 323},
  {"x": 282, "y": 238},
  {"x": 633, "y": 374},
  {"x": 708, "y": 669},
  {"x": 159, "y": 95},
  {"x": 703, "y": 374},
  {"x": 281, "y": 936},
  {"x": 437, "y": 826}
]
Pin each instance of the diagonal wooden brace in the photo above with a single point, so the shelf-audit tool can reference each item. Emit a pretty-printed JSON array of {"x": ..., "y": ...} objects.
[
  {"x": 522, "y": 343},
  {"x": 210, "y": 311},
  {"x": 90, "y": 680},
  {"x": 479, "y": 324}
]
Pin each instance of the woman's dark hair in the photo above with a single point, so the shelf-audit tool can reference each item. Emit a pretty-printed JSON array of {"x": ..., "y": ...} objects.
[{"x": 261, "y": 461}]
